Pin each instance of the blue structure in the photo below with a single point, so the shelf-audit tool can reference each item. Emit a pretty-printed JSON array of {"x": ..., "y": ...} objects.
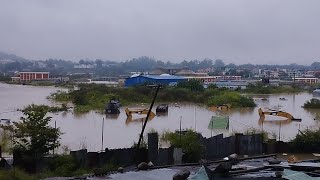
[{"x": 164, "y": 79}]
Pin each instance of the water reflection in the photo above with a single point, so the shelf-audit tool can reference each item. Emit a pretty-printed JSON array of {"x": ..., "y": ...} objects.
[
  {"x": 262, "y": 121},
  {"x": 64, "y": 114},
  {"x": 133, "y": 119},
  {"x": 129, "y": 120},
  {"x": 79, "y": 115},
  {"x": 112, "y": 116},
  {"x": 162, "y": 113},
  {"x": 242, "y": 111},
  {"x": 316, "y": 94}
]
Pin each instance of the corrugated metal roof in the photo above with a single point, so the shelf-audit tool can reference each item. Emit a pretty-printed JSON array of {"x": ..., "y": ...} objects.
[{"x": 163, "y": 77}]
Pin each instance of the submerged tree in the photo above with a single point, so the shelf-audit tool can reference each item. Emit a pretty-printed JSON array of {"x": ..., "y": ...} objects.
[{"x": 33, "y": 133}]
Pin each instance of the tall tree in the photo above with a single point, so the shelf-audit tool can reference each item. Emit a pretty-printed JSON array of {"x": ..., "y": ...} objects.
[
  {"x": 33, "y": 132},
  {"x": 218, "y": 64}
]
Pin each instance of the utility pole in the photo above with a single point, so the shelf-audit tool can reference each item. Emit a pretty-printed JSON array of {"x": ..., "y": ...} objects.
[
  {"x": 180, "y": 129},
  {"x": 145, "y": 122},
  {"x": 55, "y": 127},
  {"x": 102, "y": 134}
]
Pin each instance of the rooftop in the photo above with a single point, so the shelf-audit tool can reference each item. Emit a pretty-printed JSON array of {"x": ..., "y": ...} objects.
[{"x": 163, "y": 77}]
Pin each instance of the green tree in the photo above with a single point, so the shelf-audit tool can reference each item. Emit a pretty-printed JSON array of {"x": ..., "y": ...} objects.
[
  {"x": 33, "y": 133},
  {"x": 193, "y": 85},
  {"x": 218, "y": 64}
]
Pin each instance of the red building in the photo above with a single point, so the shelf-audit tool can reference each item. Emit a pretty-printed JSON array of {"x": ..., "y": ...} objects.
[{"x": 28, "y": 76}]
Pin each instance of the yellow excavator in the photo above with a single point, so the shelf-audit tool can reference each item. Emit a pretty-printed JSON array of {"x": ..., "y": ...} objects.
[
  {"x": 139, "y": 111},
  {"x": 277, "y": 113}
]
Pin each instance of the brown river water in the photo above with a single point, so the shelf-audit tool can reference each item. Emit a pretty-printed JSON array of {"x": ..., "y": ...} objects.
[{"x": 85, "y": 130}]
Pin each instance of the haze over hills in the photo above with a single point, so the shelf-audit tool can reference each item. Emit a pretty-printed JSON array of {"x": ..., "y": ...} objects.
[
  {"x": 9, "y": 64},
  {"x": 12, "y": 57},
  {"x": 140, "y": 62}
]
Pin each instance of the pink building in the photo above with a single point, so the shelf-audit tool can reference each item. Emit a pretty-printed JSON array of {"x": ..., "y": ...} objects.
[{"x": 28, "y": 76}]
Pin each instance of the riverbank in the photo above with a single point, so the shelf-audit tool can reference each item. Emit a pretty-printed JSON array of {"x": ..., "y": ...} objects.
[{"x": 260, "y": 88}]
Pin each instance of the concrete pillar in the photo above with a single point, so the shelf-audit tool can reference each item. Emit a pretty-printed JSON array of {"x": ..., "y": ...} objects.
[
  {"x": 177, "y": 155},
  {"x": 237, "y": 142},
  {"x": 153, "y": 147}
]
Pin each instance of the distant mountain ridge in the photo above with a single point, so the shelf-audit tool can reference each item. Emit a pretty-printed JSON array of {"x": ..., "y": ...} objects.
[{"x": 12, "y": 57}]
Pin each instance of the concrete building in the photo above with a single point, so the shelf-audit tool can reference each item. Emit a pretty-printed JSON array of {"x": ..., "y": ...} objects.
[
  {"x": 29, "y": 76},
  {"x": 307, "y": 80},
  {"x": 227, "y": 78},
  {"x": 232, "y": 84},
  {"x": 212, "y": 79},
  {"x": 294, "y": 73},
  {"x": 203, "y": 79},
  {"x": 164, "y": 79}
]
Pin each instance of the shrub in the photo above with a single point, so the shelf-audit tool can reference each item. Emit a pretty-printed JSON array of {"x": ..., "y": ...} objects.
[
  {"x": 15, "y": 174},
  {"x": 189, "y": 141},
  {"x": 252, "y": 131},
  {"x": 313, "y": 103},
  {"x": 46, "y": 108},
  {"x": 60, "y": 96},
  {"x": 307, "y": 141}
]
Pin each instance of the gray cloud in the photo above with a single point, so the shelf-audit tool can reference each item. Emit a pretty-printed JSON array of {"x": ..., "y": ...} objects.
[{"x": 266, "y": 31}]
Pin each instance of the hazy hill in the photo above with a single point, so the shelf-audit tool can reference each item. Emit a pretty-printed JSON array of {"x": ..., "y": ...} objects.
[{"x": 6, "y": 56}]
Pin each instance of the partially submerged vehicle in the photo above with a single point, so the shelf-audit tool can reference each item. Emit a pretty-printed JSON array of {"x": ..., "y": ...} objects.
[
  {"x": 5, "y": 121},
  {"x": 113, "y": 107},
  {"x": 131, "y": 111},
  {"x": 277, "y": 113},
  {"x": 138, "y": 111},
  {"x": 316, "y": 90},
  {"x": 162, "y": 108},
  {"x": 283, "y": 99},
  {"x": 222, "y": 107}
]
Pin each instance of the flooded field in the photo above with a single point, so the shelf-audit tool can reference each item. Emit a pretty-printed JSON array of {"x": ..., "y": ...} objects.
[{"x": 85, "y": 130}]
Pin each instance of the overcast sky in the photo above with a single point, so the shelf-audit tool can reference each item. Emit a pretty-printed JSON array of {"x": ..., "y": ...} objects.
[{"x": 238, "y": 31}]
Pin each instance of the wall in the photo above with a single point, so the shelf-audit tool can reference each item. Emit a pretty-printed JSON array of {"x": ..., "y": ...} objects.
[
  {"x": 215, "y": 147},
  {"x": 219, "y": 147}
]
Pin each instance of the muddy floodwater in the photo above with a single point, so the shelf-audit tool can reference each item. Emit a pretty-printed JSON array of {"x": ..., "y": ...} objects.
[{"x": 85, "y": 130}]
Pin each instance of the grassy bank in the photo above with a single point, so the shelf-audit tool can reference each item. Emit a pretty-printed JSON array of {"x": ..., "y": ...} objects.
[
  {"x": 260, "y": 88},
  {"x": 95, "y": 97}
]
